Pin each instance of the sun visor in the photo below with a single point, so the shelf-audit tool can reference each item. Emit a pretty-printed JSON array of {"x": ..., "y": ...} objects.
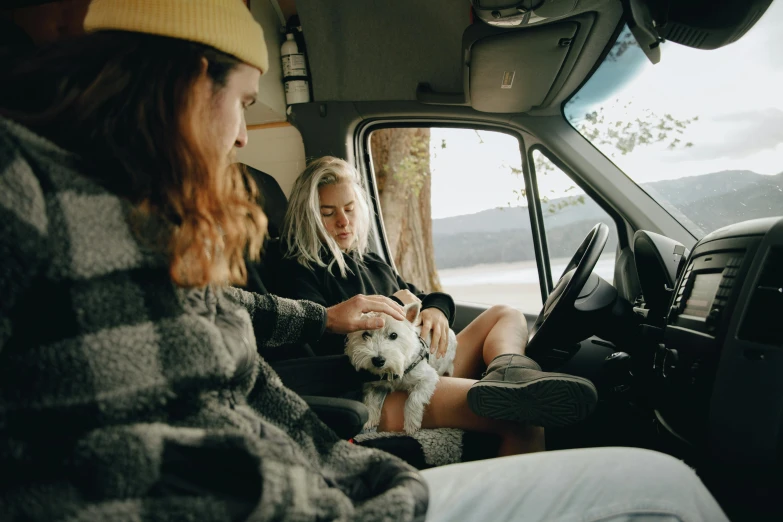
[{"x": 514, "y": 71}]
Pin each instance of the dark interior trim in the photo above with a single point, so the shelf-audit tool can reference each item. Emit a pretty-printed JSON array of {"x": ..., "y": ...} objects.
[
  {"x": 620, "y": 223},
  {"x": 537, "y": 225}
]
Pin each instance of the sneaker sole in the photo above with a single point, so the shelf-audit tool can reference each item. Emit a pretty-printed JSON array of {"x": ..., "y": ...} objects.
[{"x": 549, "y": 402}]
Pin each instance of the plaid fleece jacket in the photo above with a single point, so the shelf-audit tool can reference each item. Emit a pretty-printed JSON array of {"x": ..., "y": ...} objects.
[{"x": 120, "y": 397}]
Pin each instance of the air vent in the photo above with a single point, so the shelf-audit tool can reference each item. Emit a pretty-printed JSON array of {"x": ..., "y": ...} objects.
[
  {"x": 763, "y": 322},
  {"x": 685, "y": 35}
]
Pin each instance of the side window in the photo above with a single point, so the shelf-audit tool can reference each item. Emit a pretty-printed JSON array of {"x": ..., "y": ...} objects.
[
  {"x": 455, "y": 215},
  {"x": 569, "y": 214}
]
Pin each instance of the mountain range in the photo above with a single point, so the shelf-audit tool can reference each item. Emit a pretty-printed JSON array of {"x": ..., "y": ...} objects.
[{"x": 702, "y": 203}]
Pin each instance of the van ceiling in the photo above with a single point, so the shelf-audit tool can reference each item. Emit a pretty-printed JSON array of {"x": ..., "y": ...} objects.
[{"x": 371, "y": 50}]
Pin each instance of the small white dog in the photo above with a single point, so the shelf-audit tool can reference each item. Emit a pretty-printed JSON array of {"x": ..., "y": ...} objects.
[{"x": 402, "y": 361}]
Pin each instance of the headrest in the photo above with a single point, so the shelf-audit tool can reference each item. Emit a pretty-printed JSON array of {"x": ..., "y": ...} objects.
[{"x": 271, "y": 198}]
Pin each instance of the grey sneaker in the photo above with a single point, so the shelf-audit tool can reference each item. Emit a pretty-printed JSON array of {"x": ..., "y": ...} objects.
[{"x": 514, "y": 388}]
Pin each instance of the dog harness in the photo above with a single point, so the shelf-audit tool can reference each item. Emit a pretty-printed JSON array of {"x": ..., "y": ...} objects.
[{"x": 423, "y": 354}]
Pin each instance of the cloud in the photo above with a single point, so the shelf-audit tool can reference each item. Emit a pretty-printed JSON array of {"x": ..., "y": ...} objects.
[{"x": 732, "y": 135}]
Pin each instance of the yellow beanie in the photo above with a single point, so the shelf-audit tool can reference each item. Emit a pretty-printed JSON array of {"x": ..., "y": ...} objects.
[{"x": 226, "y": 25}]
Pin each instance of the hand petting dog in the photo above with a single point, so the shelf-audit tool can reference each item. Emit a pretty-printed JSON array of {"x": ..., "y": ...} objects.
[{"x": 349, "y": 316}]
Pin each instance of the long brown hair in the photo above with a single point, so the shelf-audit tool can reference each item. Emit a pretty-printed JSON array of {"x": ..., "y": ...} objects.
[{"x": 123, "y": 102}]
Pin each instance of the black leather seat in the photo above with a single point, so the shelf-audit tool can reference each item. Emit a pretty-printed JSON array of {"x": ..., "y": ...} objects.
[
  {"x": 297, "y": 365},
  {"x": 271, "y": 198}
]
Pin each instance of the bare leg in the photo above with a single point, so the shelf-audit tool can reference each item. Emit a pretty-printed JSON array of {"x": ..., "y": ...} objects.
[
  {"x": 499, "y": 330},
  {"x": 448, "y": 408}
]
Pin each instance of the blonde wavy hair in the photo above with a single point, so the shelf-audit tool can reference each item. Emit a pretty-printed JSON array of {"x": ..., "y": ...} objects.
[{"x": 304, "y": 235}]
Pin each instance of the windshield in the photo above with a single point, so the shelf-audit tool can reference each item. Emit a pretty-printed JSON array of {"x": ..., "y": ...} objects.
[{"x": 701, "y": 131}]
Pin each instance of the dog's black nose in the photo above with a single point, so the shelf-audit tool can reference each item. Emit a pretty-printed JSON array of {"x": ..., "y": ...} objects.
[{"x": 378, "y": 361}]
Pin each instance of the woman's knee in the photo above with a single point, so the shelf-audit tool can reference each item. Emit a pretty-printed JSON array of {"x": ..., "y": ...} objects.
[
  {"x": 508, "y": 315},
  {"x": 505, "y": 312}
]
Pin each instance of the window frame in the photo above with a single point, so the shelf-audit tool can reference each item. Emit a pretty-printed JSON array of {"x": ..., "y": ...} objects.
[
  {"x": 363, "y": 153},
  {"x": 622, "y": 236}
]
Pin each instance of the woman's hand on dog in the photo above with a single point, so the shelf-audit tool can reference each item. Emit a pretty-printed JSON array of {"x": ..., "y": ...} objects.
[
  {"x": 435, "y": 321},
  {"x": 347, "y": 317}
]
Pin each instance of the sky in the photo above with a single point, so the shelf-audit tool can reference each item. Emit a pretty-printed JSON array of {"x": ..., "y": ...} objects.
[{"x": 735, "y": 92}]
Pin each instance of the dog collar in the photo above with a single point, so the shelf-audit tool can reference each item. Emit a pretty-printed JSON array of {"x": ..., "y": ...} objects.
[{"x": 423, "y": 354}]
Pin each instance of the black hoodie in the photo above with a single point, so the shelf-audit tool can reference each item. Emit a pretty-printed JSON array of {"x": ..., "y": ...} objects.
[{"x": 370, "y": 276}]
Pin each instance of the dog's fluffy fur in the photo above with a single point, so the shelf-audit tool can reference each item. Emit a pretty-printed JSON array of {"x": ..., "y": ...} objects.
[{"x": 388, "y": 352}]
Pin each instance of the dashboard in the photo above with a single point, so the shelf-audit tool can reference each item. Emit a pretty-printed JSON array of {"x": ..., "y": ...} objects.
[{"x": 717, "y": 314}]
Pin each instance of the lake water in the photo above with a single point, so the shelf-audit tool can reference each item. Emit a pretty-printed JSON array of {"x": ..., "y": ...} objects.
[
  {"x": 514, "y": 284},
  {"x": 514, "y": 273}
]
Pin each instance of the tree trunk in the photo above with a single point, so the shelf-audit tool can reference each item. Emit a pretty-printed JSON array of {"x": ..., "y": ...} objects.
[{"x": 401, "y": 159}]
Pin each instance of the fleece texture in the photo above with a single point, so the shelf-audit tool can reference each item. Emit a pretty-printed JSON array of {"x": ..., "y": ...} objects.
[{"x": 124, "y": 397}]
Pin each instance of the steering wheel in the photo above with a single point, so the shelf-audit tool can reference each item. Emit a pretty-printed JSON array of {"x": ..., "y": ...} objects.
[{"x": 553, "y": 329}]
